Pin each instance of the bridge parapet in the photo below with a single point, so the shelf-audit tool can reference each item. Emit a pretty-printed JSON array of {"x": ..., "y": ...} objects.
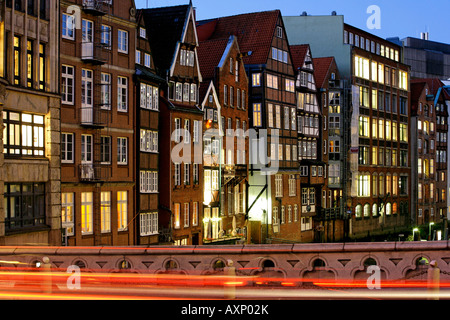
[{"x": 397, "y": 260}]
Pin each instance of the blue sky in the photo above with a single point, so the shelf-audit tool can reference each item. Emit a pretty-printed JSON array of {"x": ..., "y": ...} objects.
[{"x": 399, "y": 18}]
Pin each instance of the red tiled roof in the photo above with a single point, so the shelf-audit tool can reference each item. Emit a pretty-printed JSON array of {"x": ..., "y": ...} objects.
[
  {"x": 433, "y": 83},
  {"x": 254, "y": 31},
  {"x": 209, "y": 54},
  {"x": 298, "y": 53},
  {"x": 417, "y": 88},
  {"x": 321, "y": 69}
]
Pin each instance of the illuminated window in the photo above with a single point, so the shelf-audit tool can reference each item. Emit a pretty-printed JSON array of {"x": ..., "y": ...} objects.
[
  {"x": 363, "y": 185},
  {"x": 67, "y": 212},
  {"x": 364, "y": 126},
  {"x": 374, "y": 129},
  {"x": 388, "y": 130},
  {"x": 194, "y": 214},
  {"x": 186, "y": 215},
  {"x": 374, "y": 99},
  {"x": 374, "y": 71},
  {"x": 177, "y": 212},
  {"x": 257, "y": 120},
  {"x": 16, "y": 60},
  {"x": 395, "y": 185},
  {"x": 256, "y": 79},
  {"x": 362, "y": 67},
  {"x": 30, "y": 64},
  {"x": 381, "y": 128},
  {"x": 23, "y": 134},
  {"x": 105, "y": 211},
  {"x": 403, "y": 80},
  {"x": 364, "y": 97},
  {"x": 366, "y": 210},
  {"x": 403, "y": 132},
  {"x": 374, "y": 155},
  {"x": 41, "y": 66},
  {"x": 122, "y": 210},
  {"x": 358, "y": 211},
  {"x": 87, "y": 213},
  {"x": 380, "y": 73},
  {"x": 272, "y": 81}
]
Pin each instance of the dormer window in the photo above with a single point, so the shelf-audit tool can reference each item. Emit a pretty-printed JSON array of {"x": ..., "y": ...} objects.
[
  {"x": 279, "y": 32},
  {"x": 142, "y": 33}
]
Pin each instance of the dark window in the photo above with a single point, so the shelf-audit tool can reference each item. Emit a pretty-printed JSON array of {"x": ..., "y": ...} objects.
[
  {"x": 42, "y": 9},
  {"x": 24, "y": 205},
  {"x": 30, "y": 7}
]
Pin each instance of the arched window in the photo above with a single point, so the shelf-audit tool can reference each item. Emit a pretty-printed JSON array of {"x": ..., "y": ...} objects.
[
  {"x": 374, "y": 210},
  {"x": 358, "y": 211},
  {"x": 388, "y": 209},
  {"x": 366, "y": 210},
  {"x": 394, "y": 208}
]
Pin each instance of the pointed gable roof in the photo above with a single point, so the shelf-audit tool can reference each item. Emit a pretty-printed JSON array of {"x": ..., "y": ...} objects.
[
  {"x": 322, "y": 69},
  {"x": 298, "y": 53},
  {"x": 254, "y": 31},
  {"x": 165, "y": 29}
]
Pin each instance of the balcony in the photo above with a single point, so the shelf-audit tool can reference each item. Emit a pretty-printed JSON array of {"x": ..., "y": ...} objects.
[
  {"x": 95, "y": 7},
  {"x": 90, "y": 172},
  {"x": 94, "y": 53},
  {"x": 94, "y": 117}
]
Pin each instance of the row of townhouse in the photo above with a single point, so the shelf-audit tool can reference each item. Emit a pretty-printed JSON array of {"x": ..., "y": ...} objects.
[{"x": 142, "y": 127}]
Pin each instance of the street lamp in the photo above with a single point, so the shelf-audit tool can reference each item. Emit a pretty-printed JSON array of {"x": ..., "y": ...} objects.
[
  {"x": 429, "y": 231},
  {"x": 414, "y": 233}
]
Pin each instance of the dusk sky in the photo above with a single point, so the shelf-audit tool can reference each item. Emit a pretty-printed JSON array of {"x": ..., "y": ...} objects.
[{"x": 399, "y": 18}]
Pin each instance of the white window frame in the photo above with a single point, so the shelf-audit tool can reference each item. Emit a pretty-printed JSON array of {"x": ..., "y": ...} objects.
[
  {"x": 67, "y": 148},
  {"x": 105, "y": 209},
  {"x": 122, "y": 210},
  {"x": 122, "y": 151},
  {"x": 87, "y": 205},
  {"x": 186, "y": 214},
  {"x": 86, "y": 148},
  {"x": 122, "y": 94},
  {"x": 147, "y": 60},
  {"x": 106, "y": 91},
  {"x": 68, "y": 19},
  {"x": 122, "y": 41},
  {"x": 148, "y": 223},
  {"x": 68, "y": 81},
  {"x": 67, "y": 205}
]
